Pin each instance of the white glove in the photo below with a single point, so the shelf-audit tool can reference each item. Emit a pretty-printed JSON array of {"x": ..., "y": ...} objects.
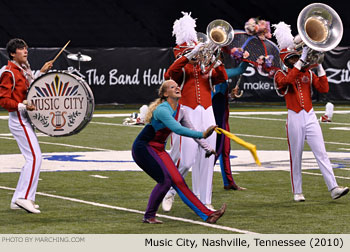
[
  {"x": 320, "y": 71},
  {"x": 304, "y": 53},
  {"x": 218, "y": 63},
  {"x": 194, "y": 52},
  {"x": 302, "y": 60},
  {"x": 21, "y": 107}
]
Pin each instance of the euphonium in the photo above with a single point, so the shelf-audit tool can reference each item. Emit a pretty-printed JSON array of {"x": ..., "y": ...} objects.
[
  {"x": 320, "y": 28},
  {"x": 219, "y": 33}
]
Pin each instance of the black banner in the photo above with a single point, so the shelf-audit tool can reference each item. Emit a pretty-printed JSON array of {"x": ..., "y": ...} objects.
[
  {"x": 133, "y": 75},
  {"x": 115, "y": 75}
]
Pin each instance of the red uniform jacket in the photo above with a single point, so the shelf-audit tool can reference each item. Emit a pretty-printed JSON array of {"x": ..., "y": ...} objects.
[
  {"x": 298, "y": 96},
  {"x": 196, "y": 87},
  {"x": 12, "y": 93}
]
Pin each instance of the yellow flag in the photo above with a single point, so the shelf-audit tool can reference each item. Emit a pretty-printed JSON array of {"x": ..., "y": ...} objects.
[{"x": 249, "y": 146}]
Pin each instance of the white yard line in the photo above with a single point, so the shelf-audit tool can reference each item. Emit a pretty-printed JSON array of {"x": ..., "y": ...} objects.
[
  {"x": 285, "y": 139},
  {"x": 281, "y": 120},
  {"x": 139, "y": 212},
  {"x": 65, "y": 145},
  {"x": 117, "y": 124},
  {"x": 99, "y": 176},
  {"x": 319, "y": 174},
  {"x": 258, "y": 118},
  {"x": 282, "y": 112}
]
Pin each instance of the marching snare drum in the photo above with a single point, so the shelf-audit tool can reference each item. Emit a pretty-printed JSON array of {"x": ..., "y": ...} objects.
[{"x": 63, "y": 102}]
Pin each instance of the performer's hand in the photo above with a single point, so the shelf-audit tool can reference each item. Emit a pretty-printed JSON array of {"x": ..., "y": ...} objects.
[
  {"x": 245, "y": 54},
  {"x": 194, "y": 52},
  {"x": 304, "y": 53},
  {"x": 209, "y": 153},
  {"x": 234, "y": 92},
  {"x": 197, "y": 48},
  {"x": 217, "y": 63},
  {"x": 21, "y": 107},
  {"x": 46, "y": 67},
  {"x": 28, "y": 107},
  {"x": 209, "y": 131},
  {"x": 320, "y": 71}
]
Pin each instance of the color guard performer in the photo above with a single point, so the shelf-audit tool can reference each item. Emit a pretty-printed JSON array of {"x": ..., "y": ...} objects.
[{"x": 149, "y": 153}]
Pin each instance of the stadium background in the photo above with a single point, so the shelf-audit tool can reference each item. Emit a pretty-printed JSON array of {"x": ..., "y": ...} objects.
[
  {"x": 83, "y": 199},
  {"x": 124, "y": 37}
]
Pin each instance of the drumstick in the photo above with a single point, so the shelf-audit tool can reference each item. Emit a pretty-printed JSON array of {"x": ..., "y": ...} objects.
[{"x": 60, "y": 52}]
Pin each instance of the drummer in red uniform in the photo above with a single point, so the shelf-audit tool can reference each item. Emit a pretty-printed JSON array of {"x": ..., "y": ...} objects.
[{"x": 14, "y": 83}]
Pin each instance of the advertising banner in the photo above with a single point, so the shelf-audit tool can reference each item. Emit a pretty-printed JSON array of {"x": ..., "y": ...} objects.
[{"x": 133, "y": 75}]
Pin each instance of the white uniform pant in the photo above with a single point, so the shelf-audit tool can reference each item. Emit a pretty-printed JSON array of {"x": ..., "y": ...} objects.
[
  {"x": 300, "y": 127},
  {"x": 27, "y": 141},
  {"x": 186, "y": 153}
]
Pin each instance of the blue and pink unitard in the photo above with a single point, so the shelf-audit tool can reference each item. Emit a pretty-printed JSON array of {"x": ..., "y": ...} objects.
[{"x": 149, "y": 153}]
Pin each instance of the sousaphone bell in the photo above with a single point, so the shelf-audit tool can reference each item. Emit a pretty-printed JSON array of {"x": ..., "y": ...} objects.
[{"x": 320, "y": 28}]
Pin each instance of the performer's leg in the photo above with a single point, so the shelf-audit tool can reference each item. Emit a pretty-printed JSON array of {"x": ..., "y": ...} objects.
[
  {"x": 202, "y": 172},
  {"x": 182, "y": 152},
  {"x": 175, "y": 152},
  {"x": 190, "y": 149},
  {"x": 219, "y": 108},
  {"x": 226, "y": 171},
  {"x": 315, "y": 140},
  {"x": 184, "y": 192},
  {"x": 296, "y": 135},
  {"x": 160, "y": 167},
  {"x": 148, "y": 160},
  {"x": 29, "y": 146}
]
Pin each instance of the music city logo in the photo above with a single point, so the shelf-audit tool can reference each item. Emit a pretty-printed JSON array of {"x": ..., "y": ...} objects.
[{"x": 58, "y": 103}]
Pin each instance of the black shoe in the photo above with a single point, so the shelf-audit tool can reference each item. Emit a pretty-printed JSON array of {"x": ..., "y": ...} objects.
[
  {"x": 152, "y": 220},
  {"x": 234, "y": 187}
]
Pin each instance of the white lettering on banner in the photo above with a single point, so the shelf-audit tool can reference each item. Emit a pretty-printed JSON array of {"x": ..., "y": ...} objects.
[
  {"x": 250, "y": 71},
  {"x": 114, "y": 78},
  {"x": 123, "y": 79},
  {"x": 153, "y": 79},
  {"x": 338, "y": 76},
  {"x": 261, "y": 85},
  {"x": 257, "y": 85},
  {"x": 94, "y": 79}
]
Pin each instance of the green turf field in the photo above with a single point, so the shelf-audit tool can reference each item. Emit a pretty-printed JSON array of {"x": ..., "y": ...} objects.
[{"x": 75, "y": 202}]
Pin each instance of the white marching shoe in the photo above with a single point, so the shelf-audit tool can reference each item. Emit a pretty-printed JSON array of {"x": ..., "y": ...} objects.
[
  {"x": 27, "y": 205},
  {"x": 167, "y": 202},
  {"x": 13, "y": 206},
  {"x": 339, "y": 191},
  {"x": 210, "y": 207},
  {"x": 299, "y": 197}
]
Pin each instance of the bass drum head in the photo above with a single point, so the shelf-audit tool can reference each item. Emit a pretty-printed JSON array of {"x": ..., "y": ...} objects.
[{"x": 64, "y": 104}]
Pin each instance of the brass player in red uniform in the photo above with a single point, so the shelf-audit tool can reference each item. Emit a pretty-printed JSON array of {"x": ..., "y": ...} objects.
[
  {"x": 196, "y": 90},
  {"x": 295, "y": 83}
]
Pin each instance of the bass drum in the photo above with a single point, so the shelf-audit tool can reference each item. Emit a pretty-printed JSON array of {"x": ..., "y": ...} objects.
[{"x": 64, "y": 104}]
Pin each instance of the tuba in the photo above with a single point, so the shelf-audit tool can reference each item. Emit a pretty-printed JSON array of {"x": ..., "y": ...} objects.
[
  {"x": 320, "y": 28},
  {"x": 219, "y": 33}
]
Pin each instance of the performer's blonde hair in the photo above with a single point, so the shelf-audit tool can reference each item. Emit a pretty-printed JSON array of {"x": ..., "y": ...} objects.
[{"x": 153, "y": 105}]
